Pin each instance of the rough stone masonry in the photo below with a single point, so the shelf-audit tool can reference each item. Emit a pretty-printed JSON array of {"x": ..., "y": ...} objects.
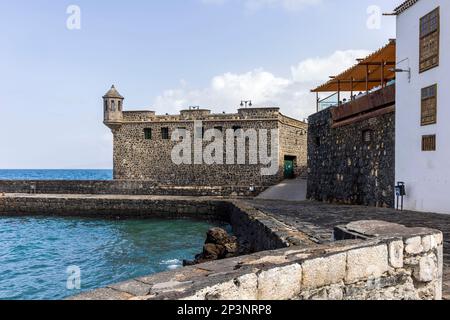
[{"x": 143, "y": 145}]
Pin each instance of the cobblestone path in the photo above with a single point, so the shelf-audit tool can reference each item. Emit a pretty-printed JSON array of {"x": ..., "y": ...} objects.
[{"x": 318, "y": 220}]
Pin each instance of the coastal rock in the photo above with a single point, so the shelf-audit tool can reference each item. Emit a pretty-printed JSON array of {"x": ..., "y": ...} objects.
[{"x": 219, "y": 245}]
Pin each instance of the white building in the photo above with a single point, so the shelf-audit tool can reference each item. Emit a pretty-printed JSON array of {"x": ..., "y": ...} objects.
[{"x": 423, "y": 104}]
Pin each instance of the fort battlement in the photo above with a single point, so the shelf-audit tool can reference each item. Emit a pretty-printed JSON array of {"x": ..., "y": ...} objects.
[{"x": 144, "y": 142}]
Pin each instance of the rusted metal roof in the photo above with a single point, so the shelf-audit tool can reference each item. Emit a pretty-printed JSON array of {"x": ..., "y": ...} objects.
[{"x": 378, "y": 66}]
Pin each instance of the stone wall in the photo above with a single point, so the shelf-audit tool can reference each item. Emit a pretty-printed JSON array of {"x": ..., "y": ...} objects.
[
  {"x": 120, "y": 188},
  {"x": 137, "y": 158},
  {"x": 400, "y": 264},
  {"x": 123, "y": 207},
  {"x": 343, "y": 168}
]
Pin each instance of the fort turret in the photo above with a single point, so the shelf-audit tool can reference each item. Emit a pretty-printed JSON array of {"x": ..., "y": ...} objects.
[{"x": 113, "y": 108}]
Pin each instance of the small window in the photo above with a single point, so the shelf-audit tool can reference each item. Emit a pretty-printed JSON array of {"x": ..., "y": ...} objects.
[
  {"x": 429, "y": 106},
  {"x": 120, "y": 105},
  {"x": 200, "y": 132},
  {"x": 367, "y": 136},
  {"x": 429, "y": 40},
  {"x": 165, "y": 133},
  {"x": 148, "y": 134},
  {"x": 317, "y": 141},
  {"x": 429, "y": 143},
  {"x": 113, "y": 106},
  {"x": 106, "y": 105}
]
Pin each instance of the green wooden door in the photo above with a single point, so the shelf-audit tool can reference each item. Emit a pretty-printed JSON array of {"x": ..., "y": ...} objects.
[{"x": 288, "y": 169}]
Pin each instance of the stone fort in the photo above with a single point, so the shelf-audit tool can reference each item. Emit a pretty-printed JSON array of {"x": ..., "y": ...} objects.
[{"x": 143, "y": 145}]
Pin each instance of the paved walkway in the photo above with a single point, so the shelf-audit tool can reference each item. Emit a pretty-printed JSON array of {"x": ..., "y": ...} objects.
[
  {"x": 288, "y": 190},
  {"x": 317, "y": 220}
]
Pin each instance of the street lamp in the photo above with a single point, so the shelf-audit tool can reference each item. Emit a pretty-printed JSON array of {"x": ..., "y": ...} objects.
[
  {"x": 402, "y": 70},
  {"x": 247, "y": 103}
]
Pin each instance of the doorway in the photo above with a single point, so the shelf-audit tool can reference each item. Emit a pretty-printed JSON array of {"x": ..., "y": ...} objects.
[{"x": 289, "y": 167}]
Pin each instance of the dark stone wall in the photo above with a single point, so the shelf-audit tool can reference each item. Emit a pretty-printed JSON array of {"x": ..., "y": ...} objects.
[
  {"x": 343, "y": 168},
  {"x": 120, "y": 188}
]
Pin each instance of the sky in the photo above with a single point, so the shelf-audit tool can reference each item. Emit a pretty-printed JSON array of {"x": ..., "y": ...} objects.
[{"x": 164, "y": 56}]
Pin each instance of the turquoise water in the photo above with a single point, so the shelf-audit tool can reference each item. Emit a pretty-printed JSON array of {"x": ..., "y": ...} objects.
[
  {"x": 36, "y": 252},
  {"x": 55, "y": 174}
]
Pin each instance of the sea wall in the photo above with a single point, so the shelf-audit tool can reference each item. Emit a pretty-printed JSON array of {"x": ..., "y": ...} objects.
[
  {"x": 256, "y": 230},
  {"x": 120, "y": 187},
  {"x": 400, "y": 263},
  {"x": 352, "y": 164}
]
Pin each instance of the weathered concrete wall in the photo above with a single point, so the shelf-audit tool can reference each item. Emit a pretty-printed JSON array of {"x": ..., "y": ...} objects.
[
  {"x": 343, "y": 168},
  {"x": 120, "y": 187},
  {"x": 400, "y": 264},
  {"x": 137, "y": 158}
]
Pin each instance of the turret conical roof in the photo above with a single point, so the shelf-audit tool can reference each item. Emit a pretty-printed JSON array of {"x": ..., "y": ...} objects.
[{"x": 113, "y": 93}]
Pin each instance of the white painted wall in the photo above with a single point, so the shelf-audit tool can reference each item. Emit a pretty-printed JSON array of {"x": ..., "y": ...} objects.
[{"x": 426, "y": 174}]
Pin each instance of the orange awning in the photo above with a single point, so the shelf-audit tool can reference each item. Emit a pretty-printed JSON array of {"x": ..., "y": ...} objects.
[{"x": 369, "y": 73}]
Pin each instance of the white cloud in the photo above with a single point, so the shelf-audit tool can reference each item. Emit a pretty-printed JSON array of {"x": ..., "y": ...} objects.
[
  {"x": 290, "y": 5},
  {"x": 319, "y": 69},
  {"x": 291, "y": 94}
]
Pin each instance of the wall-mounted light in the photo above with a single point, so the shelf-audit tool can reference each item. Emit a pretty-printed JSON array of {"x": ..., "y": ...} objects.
[{"x": 402, "y": 70}]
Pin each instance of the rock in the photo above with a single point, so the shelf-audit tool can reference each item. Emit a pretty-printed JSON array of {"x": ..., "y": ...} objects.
[{"x": 218, "y": 245}]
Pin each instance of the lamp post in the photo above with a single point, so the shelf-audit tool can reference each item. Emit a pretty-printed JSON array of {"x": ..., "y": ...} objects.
[{"x": 402, "y": 70}]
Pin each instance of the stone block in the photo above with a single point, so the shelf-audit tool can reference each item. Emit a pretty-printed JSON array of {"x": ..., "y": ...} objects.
[
  {"x": 429, "y": 243},
  {"x": 439, "y": 238},
  {"x": 280, "y": 283},
  {"x": 396, "y": 249},
  {"x": 244, "y": 287},
  {"x": 370, "y": 262},
  {"x": 414, "y": 245},
  {"x": 133, "y": 287},
  {"x": 427, "y": 270},
  {"x": 324, "y": 271}
]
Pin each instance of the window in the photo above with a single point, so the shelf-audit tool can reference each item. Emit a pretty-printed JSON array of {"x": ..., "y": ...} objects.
[
  {"x": 367, "y": 136},
  {"x": 148, "y": 134},
  {"x": 113, "y": 106},
  {"x": 165, "y": 133},
  {"x": 429, "y": 143},
  {"x": 200, "y": 132},
  {"x": 317, "y": 141},
  {"x": 106, "y": 105},
  {"x": 429, "y": 41},
  {"x": 429, "y": 105},
  {"x": 120, "y": 105}
]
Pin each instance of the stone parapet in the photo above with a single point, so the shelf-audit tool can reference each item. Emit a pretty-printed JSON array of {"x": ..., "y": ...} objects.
[{"x": 378, "y": 268}]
